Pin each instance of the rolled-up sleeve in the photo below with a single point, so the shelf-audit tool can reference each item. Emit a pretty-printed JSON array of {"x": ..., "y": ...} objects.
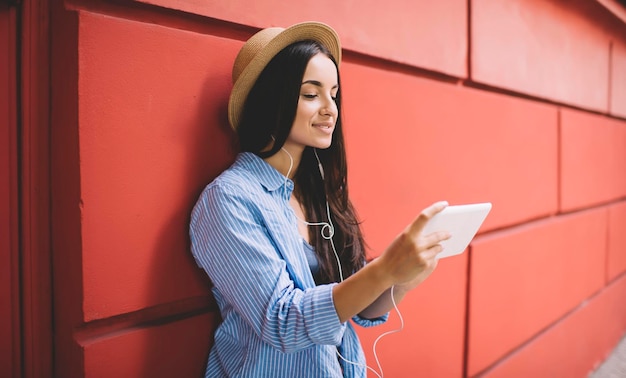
[
  {"x": 231, "y": 243},
  {"x": 364, "y": 322}
]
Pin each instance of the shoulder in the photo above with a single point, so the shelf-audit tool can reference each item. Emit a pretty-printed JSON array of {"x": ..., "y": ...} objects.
[
  {"x": 248, "y": 186},
  {"x": 248, "y": 177},
  {"x": 232, "y": 185}
]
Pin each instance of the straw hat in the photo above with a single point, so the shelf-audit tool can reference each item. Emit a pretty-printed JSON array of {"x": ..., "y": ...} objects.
[{"x": 257, "y": 52}]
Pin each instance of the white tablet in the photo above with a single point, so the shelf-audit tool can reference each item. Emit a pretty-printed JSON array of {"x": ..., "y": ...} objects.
[{"x": 462, "y": 222}]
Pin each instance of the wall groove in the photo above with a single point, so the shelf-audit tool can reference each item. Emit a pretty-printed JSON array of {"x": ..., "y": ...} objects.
[
  {"x": 466, "y": 335},
  {"x": 559, "y": 164},
  {"x": 609, "y": 97},
  {"x": 166, "y": 17},
  {"x": 391, "y": 66},
  {"x": 469, "y": 40},
  {"x": 550, "y": 326},
  {"x": 511, "y": 93},
  {"x": 535, "y": 222},
  {"x": 113, "y": 326}
]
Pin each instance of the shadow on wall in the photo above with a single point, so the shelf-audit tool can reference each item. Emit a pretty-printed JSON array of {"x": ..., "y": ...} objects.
[{"x": 181, "y": 338}]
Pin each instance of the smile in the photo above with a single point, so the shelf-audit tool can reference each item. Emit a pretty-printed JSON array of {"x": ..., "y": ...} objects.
[
  {"x": 324, "y": 125},
  {"x": 325, "y": 128}
]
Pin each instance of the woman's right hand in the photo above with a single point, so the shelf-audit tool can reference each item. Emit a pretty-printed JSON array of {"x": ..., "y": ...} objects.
[
  {"x": 407, "y": 262},
  {"x": 411, "y": 257}
]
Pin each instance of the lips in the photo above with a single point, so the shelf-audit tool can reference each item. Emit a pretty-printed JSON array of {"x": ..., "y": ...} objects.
[{"x": 324, "y": 126}]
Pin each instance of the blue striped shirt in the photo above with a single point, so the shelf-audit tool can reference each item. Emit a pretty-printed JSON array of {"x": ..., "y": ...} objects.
[{"x": 276, "y": 321}]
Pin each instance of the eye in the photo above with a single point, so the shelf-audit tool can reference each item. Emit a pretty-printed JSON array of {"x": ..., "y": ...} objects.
[{"x": 309, "y": 95}]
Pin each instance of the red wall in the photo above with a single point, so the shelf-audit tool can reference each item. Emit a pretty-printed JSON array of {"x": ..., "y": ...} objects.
[
  {"x": 9, "y": 279},
  {"x": 520, "y": 103}
]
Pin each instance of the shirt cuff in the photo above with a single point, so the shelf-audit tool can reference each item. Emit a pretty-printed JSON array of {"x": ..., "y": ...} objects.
[
  {"x": 364, "y": 322},
  {"x": 327, "y": 329}
]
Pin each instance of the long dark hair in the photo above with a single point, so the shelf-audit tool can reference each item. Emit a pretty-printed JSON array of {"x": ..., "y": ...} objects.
[{"x": 269, "y": 112}]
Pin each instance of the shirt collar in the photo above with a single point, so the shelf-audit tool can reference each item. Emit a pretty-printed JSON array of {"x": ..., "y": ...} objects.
[{"x": 267, "y": 175}]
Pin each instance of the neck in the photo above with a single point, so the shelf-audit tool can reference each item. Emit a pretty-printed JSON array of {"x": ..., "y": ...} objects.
[{"x": 285, "y": 162}]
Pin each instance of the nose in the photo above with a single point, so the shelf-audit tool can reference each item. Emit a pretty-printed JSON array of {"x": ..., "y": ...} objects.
[{"x": 329, "y": 108}]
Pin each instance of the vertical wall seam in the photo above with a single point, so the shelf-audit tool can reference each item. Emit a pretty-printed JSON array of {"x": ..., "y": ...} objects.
[
  {"x": 559, "y": 162},
  {"x": 465, "y": 360},
  {"x": 469, "y": 40},
  {"x": 608, "y": 210},
  {"x": 467, "y": 313},
  {"x": 607, "y": 246},
  {"x": 19, "y": 197},
  {"x": 609, "y": 98}
]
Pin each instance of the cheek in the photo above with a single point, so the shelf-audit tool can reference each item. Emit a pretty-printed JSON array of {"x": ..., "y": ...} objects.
[
  {"x": 305, "y": 110},
  {"x": 300, "y": 124}
]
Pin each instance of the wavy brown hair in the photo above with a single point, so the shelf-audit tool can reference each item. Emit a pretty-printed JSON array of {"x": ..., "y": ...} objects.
[{"x": 269, "y": 111}]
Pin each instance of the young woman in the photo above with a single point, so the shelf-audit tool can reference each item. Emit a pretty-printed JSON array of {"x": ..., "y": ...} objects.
[{"x": 276, "y": 231}]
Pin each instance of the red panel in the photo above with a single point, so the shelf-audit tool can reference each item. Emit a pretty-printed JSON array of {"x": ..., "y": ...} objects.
[
  {"x": 618, "y": 78},
  {"x": 432, "y": 341},
  {"x": 523, "y": 279},
  {"x": 153, "y": 132},
  {"x": 593, "y": 159},
  {"x": 178, "y": 349},
  {"x": 413, "y": 141},
  {"x": 616, "y": 261},
  {"x": 428, "y": 34},
  {"x": 549, "y": 49},
  {"x": 575, "y": 345}
]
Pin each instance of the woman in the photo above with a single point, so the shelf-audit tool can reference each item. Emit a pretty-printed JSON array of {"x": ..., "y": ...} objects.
[{"x": 276, "y": 231}]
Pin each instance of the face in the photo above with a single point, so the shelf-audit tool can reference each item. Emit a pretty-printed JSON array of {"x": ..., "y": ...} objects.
[{"x": 317, "y": 111}]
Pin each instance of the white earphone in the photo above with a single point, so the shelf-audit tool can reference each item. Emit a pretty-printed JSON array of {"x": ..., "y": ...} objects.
[{"x": 329, "y": 236}]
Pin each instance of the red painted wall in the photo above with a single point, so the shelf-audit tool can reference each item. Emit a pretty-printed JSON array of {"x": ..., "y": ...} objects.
[
  {"x": 9, "y": 279},
  {"x": 520, "y": 103}
]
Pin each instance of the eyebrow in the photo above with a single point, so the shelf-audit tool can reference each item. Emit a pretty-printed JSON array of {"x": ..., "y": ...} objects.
[{"x": 318, "y": 84}]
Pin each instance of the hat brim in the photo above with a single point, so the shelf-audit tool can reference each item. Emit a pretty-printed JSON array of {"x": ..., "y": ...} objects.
[{"x": 316, "y": 31}]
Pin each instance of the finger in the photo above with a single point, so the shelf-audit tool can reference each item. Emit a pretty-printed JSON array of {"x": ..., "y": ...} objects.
[
  {"x": 431, "y": 253},
  {"x": 428, "y": 241},
  {"x": 434, "y": 249},
  {"x": 418, "y": 224}
]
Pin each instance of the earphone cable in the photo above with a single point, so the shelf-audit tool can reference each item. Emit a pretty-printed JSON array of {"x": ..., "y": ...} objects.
[{"x": 329, "y": 236}]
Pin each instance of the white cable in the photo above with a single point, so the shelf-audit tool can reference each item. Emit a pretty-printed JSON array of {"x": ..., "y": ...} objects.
[
  {"x": 381, "y": 375},
  {"x": 331, "y": 231},
  {"x": 329, "y": 227}
]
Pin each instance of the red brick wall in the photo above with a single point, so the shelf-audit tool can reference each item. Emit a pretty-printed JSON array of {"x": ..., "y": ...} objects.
[{"x": 520, "y": 103}]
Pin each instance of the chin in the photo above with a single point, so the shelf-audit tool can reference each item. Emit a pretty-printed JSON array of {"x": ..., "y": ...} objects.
[{"x": 322, "y": 146}]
